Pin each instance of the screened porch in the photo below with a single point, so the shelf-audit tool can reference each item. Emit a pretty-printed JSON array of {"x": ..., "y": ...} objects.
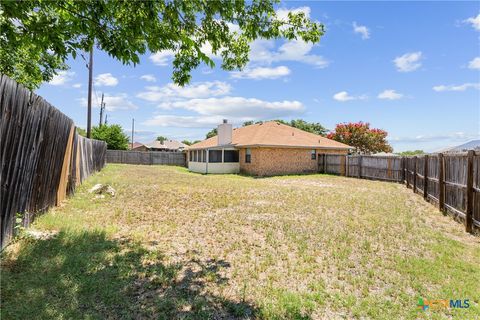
[{"x": 214, "y": 160}]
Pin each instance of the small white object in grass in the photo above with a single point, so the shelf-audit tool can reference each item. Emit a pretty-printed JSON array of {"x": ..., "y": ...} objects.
[
  {"x": 41, "y": 235},
  {"x": 103, "y": 189},
  {"x": 95, "y": 188}
]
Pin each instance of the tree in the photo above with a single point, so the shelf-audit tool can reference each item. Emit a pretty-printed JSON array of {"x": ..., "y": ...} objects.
[
  {"x": 113, "y": 135},
  {"x": 411, "y": 153},
  {"x": 360, "y": 136},
  {"x": 313, "y": 127},
  {"x": 38, "y": 36},
  {"x": 189, "y": 143},
  {"x": 249, "y": 123},
  {"x": 211, "y": 133},
  {"x": 81, "y": 131},
  {"x": 161, "y": 139}
]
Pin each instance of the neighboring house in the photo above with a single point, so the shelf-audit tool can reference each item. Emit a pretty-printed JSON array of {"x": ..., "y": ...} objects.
[
  {"x": 137, "y": 146},
  {"x": 266, "y": 149},
  {"x": 167, "y": 145}
]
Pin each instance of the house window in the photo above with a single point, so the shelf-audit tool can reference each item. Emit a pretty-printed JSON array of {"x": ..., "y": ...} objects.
[
  {"x": 191, "y": 156},
  {"x": 215, "y": 156},
  {"x": 204, "y": 156},
  {"x": 313, "y": 154},
  {"x": 230, "y": 156},
  {"x": 248, "y": 156},
  {"x": 195, "y": 156}
]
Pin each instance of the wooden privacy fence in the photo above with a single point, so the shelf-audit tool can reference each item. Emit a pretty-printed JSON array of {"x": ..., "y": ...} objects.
[
  {"x": 449, "y": 180},
  {"x": 146, "y": 157},
  {"x": 42, "y": 157}
]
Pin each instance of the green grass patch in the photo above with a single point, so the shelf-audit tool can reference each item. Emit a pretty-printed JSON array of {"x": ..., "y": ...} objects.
[{"x": 178, "y": 245}]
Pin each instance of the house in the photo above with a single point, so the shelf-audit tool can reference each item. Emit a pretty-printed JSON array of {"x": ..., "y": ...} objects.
[
  {"x": 137, "y": 146},
  {"x": 266, "y": 149},
  {"x": 167, "y": 145}
]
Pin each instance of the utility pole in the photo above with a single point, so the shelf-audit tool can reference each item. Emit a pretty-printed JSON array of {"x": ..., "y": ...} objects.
[
  {"x": 89, "y": 104},
  {"x": 102, "y": 108},
  {"x": 133, "y": 130},
  {"x": 106, "y": 120}
]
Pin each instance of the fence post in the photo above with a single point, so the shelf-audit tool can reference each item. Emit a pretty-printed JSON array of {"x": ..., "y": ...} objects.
[
  {"x": 425, "y": 177},
  {"x": 359, "y": 167},
  {"x": 469, "y": 213},
  {"x": 441, "y": 182},
  {"x": 345, "y": 166},
  {"x": 414, "y": 174},
  {"x": 403, "y": 170},
  {"x": 324, "y": 163},
  {"x": 407, "y": 171}
]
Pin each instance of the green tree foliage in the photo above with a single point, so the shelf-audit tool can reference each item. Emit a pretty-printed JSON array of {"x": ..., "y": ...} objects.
[
  {"x": 161, "y": 139},
  {"x": 411, "y": 153},
  {"x": 189, "y": 143},
  {"x": 359, "y": 135},
  {"x": 113, "y": 135},
  {"x": 38, "y": 36},
  {"x": 81, "y": 131},
  {"x": 186, "y": 142},
  {"x": 313, "y": 127},
  {"x": 211, "y": 133}
]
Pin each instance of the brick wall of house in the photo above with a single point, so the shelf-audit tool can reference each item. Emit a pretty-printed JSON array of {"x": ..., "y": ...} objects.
[{"x": 278, "y": 161}]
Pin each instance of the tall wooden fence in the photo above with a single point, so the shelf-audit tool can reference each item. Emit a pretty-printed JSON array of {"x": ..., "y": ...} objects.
[
  {"x": 449, "y": 180},
  {"x": 42, "y": 157},
  {"x": 146, "y": 157}
]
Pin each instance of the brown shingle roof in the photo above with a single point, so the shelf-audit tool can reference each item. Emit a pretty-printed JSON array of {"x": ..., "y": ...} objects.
[
  {"x": 135, "y": 145},
  {"x": 167, "y": 144},
  {"x": 273, "y": 134}
]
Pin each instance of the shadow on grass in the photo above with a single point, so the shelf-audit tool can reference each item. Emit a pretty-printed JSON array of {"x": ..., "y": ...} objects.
[{"x": 87, "y": 276}]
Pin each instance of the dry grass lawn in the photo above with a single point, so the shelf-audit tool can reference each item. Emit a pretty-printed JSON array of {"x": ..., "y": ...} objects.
[{"x": 178, "y": 245}]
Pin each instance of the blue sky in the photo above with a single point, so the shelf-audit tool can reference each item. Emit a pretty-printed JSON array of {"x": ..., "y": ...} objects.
[{"x": 411, "y": 68}]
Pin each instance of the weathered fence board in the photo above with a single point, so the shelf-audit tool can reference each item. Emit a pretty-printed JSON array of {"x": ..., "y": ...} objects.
[
  {"x": 146, "y": 157},
  {"x": 40, "y": 156},
  {"x": 451, "y": 180}
]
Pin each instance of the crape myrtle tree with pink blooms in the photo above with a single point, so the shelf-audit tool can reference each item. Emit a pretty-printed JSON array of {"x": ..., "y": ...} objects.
[{"x": 359, "y": 135}]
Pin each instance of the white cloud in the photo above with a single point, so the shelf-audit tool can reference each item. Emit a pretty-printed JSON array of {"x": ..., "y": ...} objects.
[
  {"x": 408, "y": 62},
  {"x": 474, "y": 64},
  {"x": 114, "y": 102},
  {"x": 162, "y": 58},
  {"x": 183, "y": 121},
  {"x": 282, "y": 13},
  {"x": 148, "y": 78},
  {"x": 61, "y": 78},
  {"x": 106, "y": 79},
  {"x": 461, "y": 87},
  {"x": 389, "y": 95},
  {"x": 195, "y": 90},
  {"x": 237, "y": 107},
  {"x": 77, "y": 85},
  {"x": 451, "y": 136},
  {"x": 363, "y": 30},
  {"x": 263, "y": 52},
  {"x": 262, "y": 73},
  {"x": 344, "y": 96},
  {"x": 474, "y": 21}
]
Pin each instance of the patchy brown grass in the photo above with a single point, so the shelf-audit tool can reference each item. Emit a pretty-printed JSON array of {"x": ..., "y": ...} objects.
[{"x": 229, "y": 246}]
